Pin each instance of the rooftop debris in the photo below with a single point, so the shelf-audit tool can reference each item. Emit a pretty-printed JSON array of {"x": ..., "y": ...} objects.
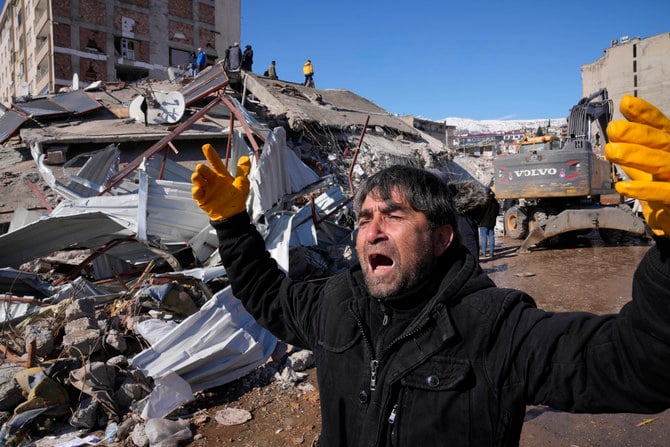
[{"x": 116, "y": 295}]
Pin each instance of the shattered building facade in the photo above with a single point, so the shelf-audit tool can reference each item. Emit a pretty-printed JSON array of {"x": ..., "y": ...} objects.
[{"x": 45, "y": 44}]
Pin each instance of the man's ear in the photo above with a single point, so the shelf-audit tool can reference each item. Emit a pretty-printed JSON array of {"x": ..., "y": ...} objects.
[{"x": 442, "y": 238}]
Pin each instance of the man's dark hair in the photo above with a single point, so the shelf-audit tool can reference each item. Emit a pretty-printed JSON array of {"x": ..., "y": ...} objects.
[{"x": 423, "y": 190}]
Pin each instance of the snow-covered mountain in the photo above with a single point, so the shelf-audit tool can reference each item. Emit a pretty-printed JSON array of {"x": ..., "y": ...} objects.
[{"x": 492, "y": 126}]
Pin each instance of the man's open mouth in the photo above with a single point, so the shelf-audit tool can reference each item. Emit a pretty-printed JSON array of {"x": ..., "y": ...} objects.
[{"x": 377, "y": 261}]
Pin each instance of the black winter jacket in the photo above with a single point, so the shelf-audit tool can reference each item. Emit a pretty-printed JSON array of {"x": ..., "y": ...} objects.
[{"x": 463, "y": 370}]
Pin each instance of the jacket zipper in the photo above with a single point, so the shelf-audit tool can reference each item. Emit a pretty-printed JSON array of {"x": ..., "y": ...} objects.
[
  {"x": 374, "y": 363},
  {"x": 394, "y": 414},
  {"x": 394, "y": 427}
]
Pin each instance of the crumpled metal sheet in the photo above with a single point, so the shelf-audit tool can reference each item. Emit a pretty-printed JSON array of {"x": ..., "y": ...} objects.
[
  {"x": 218, "y": 344},
  {"x": 10, "y": 121}
]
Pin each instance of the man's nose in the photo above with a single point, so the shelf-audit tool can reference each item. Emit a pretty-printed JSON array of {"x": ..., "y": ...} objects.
[{"x": 375, "y": 230}]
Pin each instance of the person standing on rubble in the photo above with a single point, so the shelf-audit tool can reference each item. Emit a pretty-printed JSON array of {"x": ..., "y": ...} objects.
[
  {"x": 201, "y": 60},
  {"x": 308, "y": 71},
  {"x": 487, "y": 225},
  {"x": 416, "y": 345},
  {"x": 234, "y": 57},
  {"x": 271, "y": 72},
  {"x": 247, "y": 58},
  {"x": 193, "y": 65}
]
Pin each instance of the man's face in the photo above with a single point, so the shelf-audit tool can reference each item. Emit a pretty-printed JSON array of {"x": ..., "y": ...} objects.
[{"x": 396, "y": 247}]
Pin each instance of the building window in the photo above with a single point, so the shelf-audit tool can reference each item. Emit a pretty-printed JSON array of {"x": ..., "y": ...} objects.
[
  {"x": 634, "y": 50},
  {"x": 92, "y": 45},
  {"x": 634, "y": 66},
  {"x": 635, "y": 81},
  {"x": 90, "y": 75}
]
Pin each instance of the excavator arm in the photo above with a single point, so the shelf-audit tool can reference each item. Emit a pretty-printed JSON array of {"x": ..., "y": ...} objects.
[{"x": 596, "y": 108}]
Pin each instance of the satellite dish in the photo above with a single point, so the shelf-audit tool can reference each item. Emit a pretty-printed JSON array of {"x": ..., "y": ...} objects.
[
  {"x": 173, "y": 106},
  {"x": 161, "y": 108},
  {"x": 75, "y": 82}
]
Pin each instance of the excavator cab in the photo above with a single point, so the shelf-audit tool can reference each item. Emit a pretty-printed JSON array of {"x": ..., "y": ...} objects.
[{"x": 529, "y": 145}]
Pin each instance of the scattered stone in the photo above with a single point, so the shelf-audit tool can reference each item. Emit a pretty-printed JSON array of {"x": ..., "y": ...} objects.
[
  {"x": 10, "y": 391},
  {"x": 139, "y": 436},
  {"x": 82, "y": 343},
  {"x": 289, "y": 377},
  {"x": 232, "y": 416},
  {"x": 116, "y": 340},
  {"x": 80, "y": 308},
  {"x": 43, "y": 338},
  {"x": 301, "y": 360}
]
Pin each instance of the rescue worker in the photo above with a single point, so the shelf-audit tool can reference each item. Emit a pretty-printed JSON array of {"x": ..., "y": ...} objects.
[
  {"x": 416, "y": 345},
  {"x": 308, "y": 71},
  {"x": 271, "y": 72},
  {"x": 201, "y": 60},
  {"x": 247, "y": 58},
  {"x": 234, "y": 57}
]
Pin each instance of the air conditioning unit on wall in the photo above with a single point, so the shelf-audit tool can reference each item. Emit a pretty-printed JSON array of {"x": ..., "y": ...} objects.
[{"x": 128, "y": 49}]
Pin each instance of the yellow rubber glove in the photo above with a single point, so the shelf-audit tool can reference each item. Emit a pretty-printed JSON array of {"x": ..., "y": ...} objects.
[
  {"x": 641, "y": 146},
  {"x": 215, "y": 191}
]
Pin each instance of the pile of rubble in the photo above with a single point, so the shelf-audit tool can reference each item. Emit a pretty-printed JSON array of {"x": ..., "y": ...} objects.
[{"x": 116, "y": 309}]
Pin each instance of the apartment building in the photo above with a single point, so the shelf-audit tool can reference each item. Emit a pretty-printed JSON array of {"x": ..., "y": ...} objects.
[
  {"x": 46, "y": 45},
  {"x": 633, "y": 66}
]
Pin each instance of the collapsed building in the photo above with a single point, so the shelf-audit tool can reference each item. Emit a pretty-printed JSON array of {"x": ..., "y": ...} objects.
[{"x": 116, "y": 294}]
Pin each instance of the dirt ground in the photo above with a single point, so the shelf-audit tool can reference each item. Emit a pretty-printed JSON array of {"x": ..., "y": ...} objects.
[{"x": 588, "y": 276}]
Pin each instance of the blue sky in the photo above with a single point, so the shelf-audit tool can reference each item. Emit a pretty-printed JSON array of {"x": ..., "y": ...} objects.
[{"x": 436, "y": 59}]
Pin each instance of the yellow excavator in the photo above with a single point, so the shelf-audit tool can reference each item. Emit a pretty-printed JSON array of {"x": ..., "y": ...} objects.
[{"x": 553, "y": 185}]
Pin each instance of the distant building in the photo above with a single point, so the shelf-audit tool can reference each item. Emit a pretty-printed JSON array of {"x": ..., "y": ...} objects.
[
  {"x": 488, "y": 143},
  {"x": 44, "y": 43},
  {"x": 633, "y": 66},
  {"x": 436, "y": 129}
]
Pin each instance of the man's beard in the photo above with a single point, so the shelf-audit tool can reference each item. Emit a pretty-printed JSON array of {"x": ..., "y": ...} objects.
[{"x": 381, "y": 288}]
